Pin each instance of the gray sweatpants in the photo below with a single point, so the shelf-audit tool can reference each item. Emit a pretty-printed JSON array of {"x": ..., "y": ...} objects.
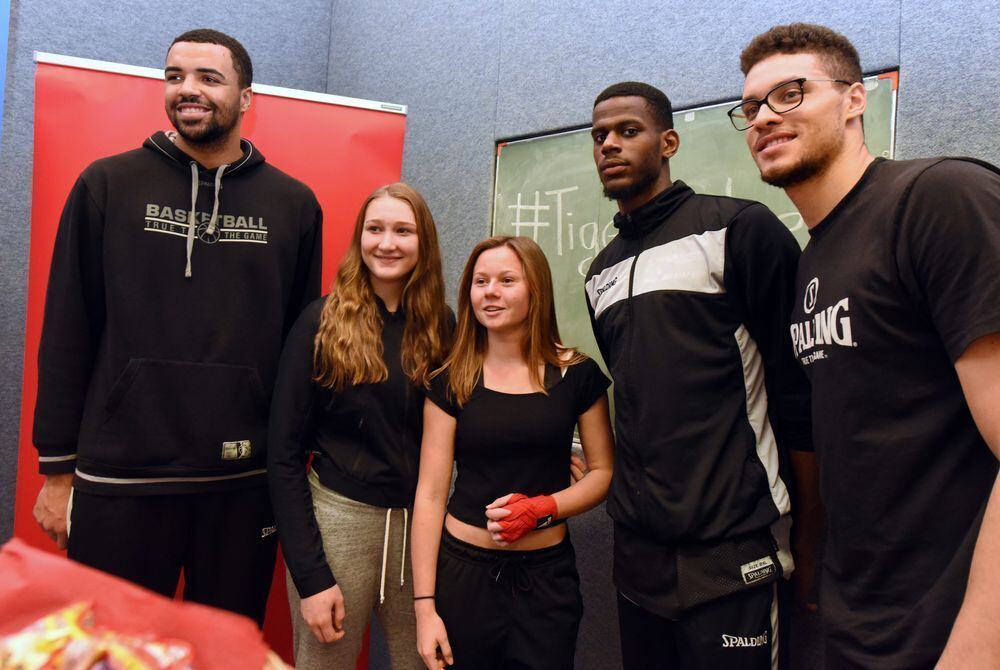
[{"x": 354, "y": 537}]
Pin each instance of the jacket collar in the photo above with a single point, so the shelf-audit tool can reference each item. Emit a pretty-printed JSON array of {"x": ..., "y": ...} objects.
[{"x": 643, "y": 219}]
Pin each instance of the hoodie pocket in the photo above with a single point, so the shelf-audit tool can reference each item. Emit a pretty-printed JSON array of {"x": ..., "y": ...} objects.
[{"x": 183, "y": 415}]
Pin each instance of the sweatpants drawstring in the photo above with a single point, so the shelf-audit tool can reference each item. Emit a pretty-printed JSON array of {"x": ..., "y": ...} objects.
[
  {"x": 402, "y": 561},
  {"x": 510, "y": 574},
  {"x": 385, "y": 554}
]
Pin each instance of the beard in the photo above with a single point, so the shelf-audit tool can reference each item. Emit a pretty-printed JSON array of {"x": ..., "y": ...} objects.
[
  {"x": 644, "y": 179},
  {"x": 214, "y": 130},
  {"x": 809, "y": 166},
  {"x": 801, "y": 172}
]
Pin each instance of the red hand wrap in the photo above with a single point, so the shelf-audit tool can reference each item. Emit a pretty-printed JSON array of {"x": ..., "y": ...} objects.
[{"x": 526, "y": 514}]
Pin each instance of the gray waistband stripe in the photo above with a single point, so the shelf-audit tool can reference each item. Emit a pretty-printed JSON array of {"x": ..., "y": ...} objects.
[
  {"x": 56, "y": 459},
  {"x": 167, "y": 480}
]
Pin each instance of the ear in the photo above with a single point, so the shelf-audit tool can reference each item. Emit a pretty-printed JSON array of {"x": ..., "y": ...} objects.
[
  {"x": 670, "y": 142},
  {"x": 857, "y": 101},
  {"x": 246, "y": 97}
]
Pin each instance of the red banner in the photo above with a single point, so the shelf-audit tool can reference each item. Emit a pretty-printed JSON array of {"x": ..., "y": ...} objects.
[{"x": 342, "y": 152}]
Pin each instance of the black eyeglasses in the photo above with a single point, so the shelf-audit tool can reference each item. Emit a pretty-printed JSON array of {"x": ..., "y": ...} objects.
[{"x": 781, "y": 99}]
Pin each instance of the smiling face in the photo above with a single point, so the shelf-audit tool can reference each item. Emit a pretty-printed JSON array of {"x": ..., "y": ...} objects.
[
  {"x": 203, "y": 98},
  {"x": 389, "y": 244},
  {"x": 630, "y": 151},
  {"x": 799, "y": 145},
  {"x": 499, "y": 294}
]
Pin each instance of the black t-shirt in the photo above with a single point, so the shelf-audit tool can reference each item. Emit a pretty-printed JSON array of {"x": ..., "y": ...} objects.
[
  {"x": 894, "y": 285},
  {"x": 516, "y": 443}
]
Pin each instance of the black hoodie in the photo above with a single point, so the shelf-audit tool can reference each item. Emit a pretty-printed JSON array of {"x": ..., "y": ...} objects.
[
  {"x": 365, "y": 441},
  {"x": 160, "y": 345}
]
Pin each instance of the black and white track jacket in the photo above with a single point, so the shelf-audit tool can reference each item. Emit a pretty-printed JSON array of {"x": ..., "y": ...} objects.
[{"x": 690, "y": 306}]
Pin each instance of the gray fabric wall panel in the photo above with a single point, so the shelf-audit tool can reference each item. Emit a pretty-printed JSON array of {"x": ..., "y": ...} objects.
[
  {"x": 557, "y": 56},
  {"x": 949, "y": 80},
  {"x": 440, "y": 59},
  {"x": 289, "y": 45},
  {"x": 475, "y": 72}
]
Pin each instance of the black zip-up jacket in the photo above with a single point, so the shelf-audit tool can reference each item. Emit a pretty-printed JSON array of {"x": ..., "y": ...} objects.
[
  {"x": 364, "y": 439},
  {"x": 160, "y": 340},
  {"x": 689, "y": 305}
]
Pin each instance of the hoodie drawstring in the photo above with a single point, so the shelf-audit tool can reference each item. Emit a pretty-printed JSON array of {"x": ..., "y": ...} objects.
[
  {"x": 191, "y": 216},
  {"x": 192, "y": 213},
  {"x": 215, "y": 204},
  {"x": 385, "y": 554}
]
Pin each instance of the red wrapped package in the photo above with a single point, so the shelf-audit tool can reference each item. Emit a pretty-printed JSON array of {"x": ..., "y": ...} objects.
[
  {"x": 68, "y": 639},
  {"x": 34, "y": 584}
]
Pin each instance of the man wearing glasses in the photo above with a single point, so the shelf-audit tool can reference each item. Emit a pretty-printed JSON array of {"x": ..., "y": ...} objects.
[
  {"x": 690, "y": 305},
  {"x": 897, "y": 324}
]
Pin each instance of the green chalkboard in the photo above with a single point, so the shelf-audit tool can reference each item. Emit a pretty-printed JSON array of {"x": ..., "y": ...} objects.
[{"x": 547, "y": 188}]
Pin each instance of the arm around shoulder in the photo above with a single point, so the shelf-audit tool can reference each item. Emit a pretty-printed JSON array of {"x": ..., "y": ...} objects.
[{"x": 597, "y": 439}]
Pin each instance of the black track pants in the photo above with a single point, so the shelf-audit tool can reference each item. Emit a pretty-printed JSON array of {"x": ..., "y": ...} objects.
[
  {"x": 740, "y": 631},
  {"x": 507, "y": 610},
  {"x": 224, "y": 542}
]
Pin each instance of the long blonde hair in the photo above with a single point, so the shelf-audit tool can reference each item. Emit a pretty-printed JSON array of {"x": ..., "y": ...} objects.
[
  {"x": 541, "y": 343},
  {"x": 348, "y": 346}
]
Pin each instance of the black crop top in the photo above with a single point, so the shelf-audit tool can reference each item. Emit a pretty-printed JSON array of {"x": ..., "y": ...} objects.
[{"x": 516, "y": 443}]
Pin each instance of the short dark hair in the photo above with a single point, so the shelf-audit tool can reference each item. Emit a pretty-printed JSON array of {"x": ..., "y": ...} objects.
[
  {"x": 241, "y": 59},
  {"x": 835, "y": 51},
  {"x": 656, "y": 100}
]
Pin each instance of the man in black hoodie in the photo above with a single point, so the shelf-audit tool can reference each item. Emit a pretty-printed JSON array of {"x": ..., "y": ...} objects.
[
  {"x": 178, "y": 269},
  {"x": 690, "y": 306}
]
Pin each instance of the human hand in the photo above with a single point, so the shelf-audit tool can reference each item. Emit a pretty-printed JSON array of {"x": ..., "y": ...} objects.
[
  {"x": 273, "y": 662},
  {"x": 494, "y": 513},
  {"x": 432, "y": 638},
  {"x": 51, "y": 505},
  {"x": 804, "y": 582},
  {"x": 577, "y": 469},
  {"x": 513, "y": 515},
  {"x": 324, "y": 613}
]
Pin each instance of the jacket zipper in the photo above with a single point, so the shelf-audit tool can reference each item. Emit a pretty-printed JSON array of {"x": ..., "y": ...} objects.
[{"x": 628, "y": 359}]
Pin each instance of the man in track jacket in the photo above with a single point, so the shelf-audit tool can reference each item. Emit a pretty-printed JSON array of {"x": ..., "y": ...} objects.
[
  {"x": 689, "y": 305},
  {"x": 178, "y": 269}
]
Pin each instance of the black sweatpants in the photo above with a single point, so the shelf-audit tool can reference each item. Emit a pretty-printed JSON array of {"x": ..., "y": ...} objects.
[
  {"x": 740, "y": 631},
  {"x": 224, "y": 542},
  {"x": 507, "y": 610}
]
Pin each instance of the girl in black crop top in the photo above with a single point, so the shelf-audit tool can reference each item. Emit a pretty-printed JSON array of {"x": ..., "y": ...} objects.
[
  {"x": 494, "y": 578},
  {"x": 349, "y": 393}
]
